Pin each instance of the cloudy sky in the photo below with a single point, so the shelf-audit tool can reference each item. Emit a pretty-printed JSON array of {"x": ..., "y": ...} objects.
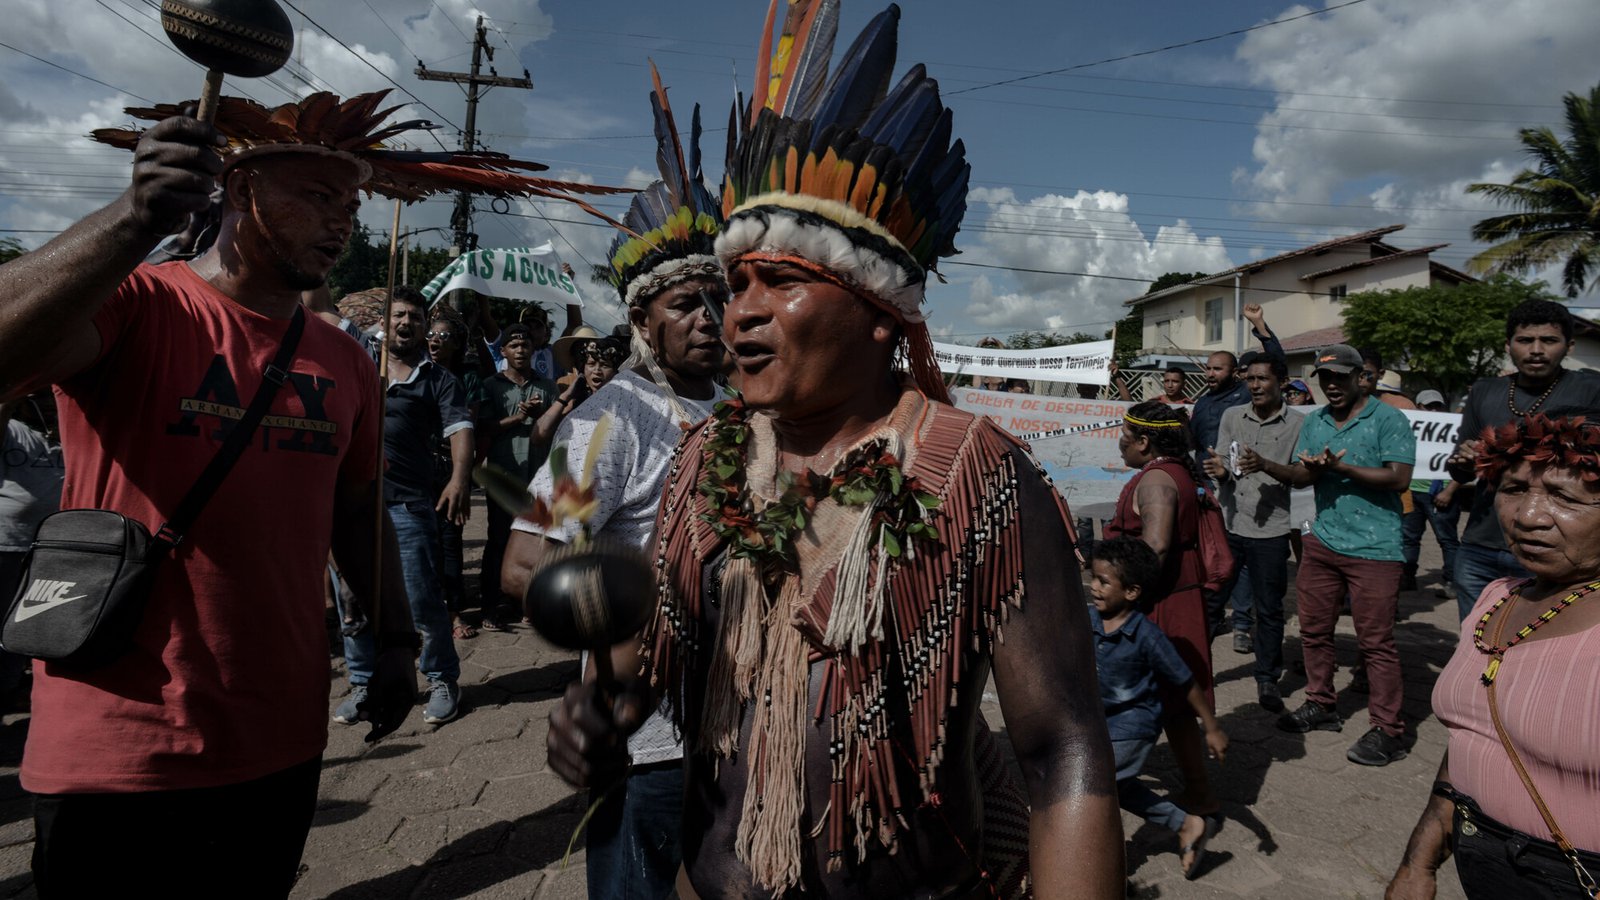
[{"x": 1195, "y": 158}]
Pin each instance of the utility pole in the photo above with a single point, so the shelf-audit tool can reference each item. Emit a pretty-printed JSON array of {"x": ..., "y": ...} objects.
[{"x": 461, "y": 221}]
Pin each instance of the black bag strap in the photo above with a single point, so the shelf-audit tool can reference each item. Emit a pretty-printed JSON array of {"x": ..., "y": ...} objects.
[{"x": 272, "y": 378}]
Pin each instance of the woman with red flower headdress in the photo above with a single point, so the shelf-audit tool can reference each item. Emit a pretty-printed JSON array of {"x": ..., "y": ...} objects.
[{"x": 1518, "y": 795}]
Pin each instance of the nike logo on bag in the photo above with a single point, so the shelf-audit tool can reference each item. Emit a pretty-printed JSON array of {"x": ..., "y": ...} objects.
[{"x": 45, "y": 594}]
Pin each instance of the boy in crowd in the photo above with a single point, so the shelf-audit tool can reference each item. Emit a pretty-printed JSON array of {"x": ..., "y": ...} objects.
[
  {"x": 1137, "y": 665},
  {"x": 514, "y": 402}
]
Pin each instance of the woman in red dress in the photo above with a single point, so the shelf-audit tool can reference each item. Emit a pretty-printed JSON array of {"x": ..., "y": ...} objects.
[{"x": 1160, "y": 506}]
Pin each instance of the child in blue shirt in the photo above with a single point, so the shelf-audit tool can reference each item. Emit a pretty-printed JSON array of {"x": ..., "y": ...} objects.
[{"x": 1136, "y": 662}]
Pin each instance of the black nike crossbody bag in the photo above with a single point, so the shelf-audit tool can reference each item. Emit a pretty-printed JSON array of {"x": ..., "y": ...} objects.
[{"x": 87, "y": 577}]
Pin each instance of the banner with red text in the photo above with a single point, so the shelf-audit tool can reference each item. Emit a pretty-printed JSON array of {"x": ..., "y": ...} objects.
[{"x": 1076, "y": 440}]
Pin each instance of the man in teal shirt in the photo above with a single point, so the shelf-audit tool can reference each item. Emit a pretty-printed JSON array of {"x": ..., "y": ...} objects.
[{"x": 1358, "y": 453}]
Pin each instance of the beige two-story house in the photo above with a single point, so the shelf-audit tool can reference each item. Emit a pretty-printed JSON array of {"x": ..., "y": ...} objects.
[{"x": 1299, "y": 291}]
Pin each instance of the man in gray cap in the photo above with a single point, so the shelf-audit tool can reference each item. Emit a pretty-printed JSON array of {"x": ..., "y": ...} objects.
[{"x": 1358, "y": 453}]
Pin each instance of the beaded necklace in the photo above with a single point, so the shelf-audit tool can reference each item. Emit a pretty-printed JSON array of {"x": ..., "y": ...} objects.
[
  {"x": 1511, "y": 396},
  {"x": 1497, "y": 653}
]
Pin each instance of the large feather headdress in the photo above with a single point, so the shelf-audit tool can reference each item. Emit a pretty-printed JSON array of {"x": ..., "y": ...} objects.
[
  {"x": 672, "y": 224},
  {"x": 857, "y": 179},
  {"x": 354, "y": 130}
]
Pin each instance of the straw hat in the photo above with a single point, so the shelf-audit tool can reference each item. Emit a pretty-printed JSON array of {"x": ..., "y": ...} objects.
[{"x": 567, "y": 348}]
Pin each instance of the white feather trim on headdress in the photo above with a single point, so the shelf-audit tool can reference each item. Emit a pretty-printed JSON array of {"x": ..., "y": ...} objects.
[
  {"x": 781, "y": 232},
  {"x": 669, "y": 273}
]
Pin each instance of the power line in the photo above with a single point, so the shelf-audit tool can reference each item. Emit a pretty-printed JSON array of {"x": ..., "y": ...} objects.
[
  {"x": 77, "y": 73},
  {"x": 381, "y": 73},
  {"x": 1152, "y": 52}
]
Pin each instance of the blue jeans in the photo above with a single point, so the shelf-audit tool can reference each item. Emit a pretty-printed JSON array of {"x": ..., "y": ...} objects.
[
  {"x": 1132, "y": 795},
  {"x": 417, "y": 532},
  {"x": 632, "y": 843},
  {"x": 1476, "y": 566},
  {"x": 1444, "y": 531},
  {"x": 1264, "y": 575}
]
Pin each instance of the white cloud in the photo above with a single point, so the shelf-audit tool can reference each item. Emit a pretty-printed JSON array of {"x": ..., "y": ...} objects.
[
  {"x": 1410, "y": 103},
  {"x": 1093, "y": 233}
]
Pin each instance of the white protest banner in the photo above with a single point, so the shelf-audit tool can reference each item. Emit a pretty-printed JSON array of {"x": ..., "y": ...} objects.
[
  {"x": 1075, "y": 441},
  {"x": 528, "y": 274},
  {"x": 1086, "y": 363},
  {"x": 1437, "y": 436}
]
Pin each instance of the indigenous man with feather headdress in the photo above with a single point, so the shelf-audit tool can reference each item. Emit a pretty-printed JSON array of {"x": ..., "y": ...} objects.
[
  {"x": 845, "y": 560},
  {"x": 665, "y": 271},
  {"x": 205, "y": 738}
]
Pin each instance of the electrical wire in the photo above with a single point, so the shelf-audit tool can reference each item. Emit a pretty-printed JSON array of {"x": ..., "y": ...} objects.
[
  {"x": 77, "y": 73},
  {"x": 1178, "y": 46}
]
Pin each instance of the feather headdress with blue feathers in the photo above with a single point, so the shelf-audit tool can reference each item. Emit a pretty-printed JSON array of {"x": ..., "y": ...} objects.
[
  {"x": 842, "y": 171},
  {"x": 672, "y": 224}
]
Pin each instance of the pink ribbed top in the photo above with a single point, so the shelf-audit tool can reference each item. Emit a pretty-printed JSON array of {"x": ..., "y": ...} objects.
[{"x": 1549, "y": 697}]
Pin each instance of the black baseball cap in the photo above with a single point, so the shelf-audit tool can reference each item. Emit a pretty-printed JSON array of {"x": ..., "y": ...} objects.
[{"x": 1341, "y": 359}]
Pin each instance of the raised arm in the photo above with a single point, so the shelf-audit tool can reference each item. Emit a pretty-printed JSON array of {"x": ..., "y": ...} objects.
[
  {"x": 1045, "y": 673},
  {"x": 1262, "y": 331},
  {"x": 48, "y": 298}
]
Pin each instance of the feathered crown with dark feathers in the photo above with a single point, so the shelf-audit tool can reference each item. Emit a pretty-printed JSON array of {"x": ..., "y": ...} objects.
[
  {"x": 843, "y": 171},
  {"x": 671, "y": 225},
  {"x": 354, "y": 130}
]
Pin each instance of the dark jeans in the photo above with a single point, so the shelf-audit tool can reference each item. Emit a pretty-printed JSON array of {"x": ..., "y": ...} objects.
[
  {"x": 1444, "y": 531},
  {"x": 1497, "y": 862},
  {"x": 1132, "y": 795},
  {"x": 239, "y": 840},
  {"x": 494, "y": 555},
  {"x": 633, "y": 842},
  {"x": 1325, "y": 579},
  {"x": 450, "y": 563},
  {"x": 1264, "y": 577},
  {"x": 1476, "y": 566},
  {"x": 416, "y": 531}
]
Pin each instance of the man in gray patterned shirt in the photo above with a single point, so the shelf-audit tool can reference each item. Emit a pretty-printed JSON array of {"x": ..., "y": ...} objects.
[{"x": 1256, "y": 506}]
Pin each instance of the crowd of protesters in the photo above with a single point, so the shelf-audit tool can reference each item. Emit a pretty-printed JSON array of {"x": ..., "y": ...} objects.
[{"x": 164, "y": 737}]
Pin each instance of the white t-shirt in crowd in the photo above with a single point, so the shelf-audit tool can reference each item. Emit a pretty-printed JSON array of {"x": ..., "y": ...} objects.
[{"x": 629, "y": 476}]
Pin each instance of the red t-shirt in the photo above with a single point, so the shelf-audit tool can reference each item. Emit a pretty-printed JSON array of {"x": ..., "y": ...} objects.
[{"x": 228, "y": 679}]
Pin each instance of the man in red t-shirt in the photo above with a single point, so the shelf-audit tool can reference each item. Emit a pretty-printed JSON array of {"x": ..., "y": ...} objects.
[{"x": 192, "y": 760}]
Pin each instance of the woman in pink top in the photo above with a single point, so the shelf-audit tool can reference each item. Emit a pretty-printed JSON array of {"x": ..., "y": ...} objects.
[{"x": 1538, "y": 642}]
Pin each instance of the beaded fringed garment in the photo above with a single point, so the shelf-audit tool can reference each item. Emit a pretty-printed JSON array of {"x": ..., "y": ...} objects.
[{"x": 944, "y": 603}]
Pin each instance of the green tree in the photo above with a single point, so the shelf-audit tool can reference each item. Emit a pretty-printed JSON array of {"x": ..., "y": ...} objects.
[
  {"x": 1447, "y": 336},
  {"x": 1036, "y": 340},
  {"x": 1129, "y": 333},
  {"x": 1558, "y": 200},
  {"x": 10, "y": 248},
  {"x": 1173, "y": 279},
  {"x": 362, "y": 264}
]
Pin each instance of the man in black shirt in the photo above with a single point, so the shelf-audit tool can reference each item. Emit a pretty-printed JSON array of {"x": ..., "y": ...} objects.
[
  {"x": 426, "y": 404},
  {"x": 1538, "y": 337}
]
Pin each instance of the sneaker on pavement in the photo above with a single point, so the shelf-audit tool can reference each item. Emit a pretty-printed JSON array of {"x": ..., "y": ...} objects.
[
  {"x": 1376, "y": 749},
  {"x": 1269, "y": 696},
  {"x": 349, "y": 712},
  {"x": 1446, "y": 591},
  {"x": 1241, "y": 642},
  {"x": 444, "y": 702},
  {"x": 1311, "y": 716}
]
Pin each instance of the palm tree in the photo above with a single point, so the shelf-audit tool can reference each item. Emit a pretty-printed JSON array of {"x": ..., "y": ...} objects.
[{"x": 1559, "y": 200}]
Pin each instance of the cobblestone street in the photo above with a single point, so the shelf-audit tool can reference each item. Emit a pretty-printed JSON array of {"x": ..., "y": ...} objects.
[{"x": 468, "y": 809}]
